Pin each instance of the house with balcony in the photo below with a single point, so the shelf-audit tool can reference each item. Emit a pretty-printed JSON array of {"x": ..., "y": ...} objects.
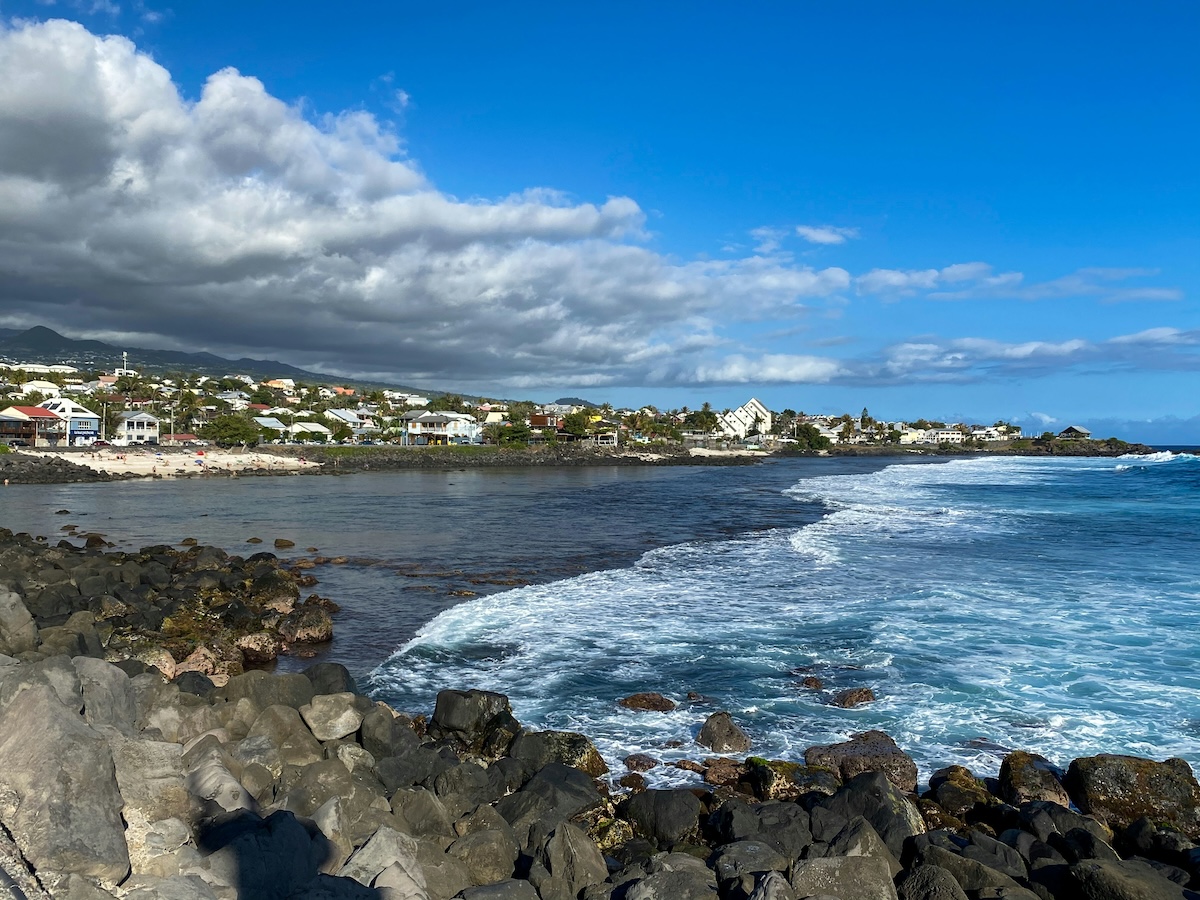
[
  {"x": 749, "y": 418},
  {"x": 32, "y": 426},
  {"x": 440, "y": 428},
  {"x": 136, "y": 428}
]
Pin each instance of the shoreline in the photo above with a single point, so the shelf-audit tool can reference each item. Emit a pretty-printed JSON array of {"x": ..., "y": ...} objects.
[
  {"x": 27, "y": 466},
  {"x": 231, "y": 782}
]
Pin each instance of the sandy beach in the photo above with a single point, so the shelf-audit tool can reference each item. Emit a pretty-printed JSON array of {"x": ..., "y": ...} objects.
[{"x": 179, "y": 463}]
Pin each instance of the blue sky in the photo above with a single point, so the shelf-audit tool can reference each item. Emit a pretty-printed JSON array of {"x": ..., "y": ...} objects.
[{"x": 937, "y": 209}]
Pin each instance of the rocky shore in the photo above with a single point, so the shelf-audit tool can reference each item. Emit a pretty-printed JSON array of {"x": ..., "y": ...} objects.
[{"x": 141, "y": 758}]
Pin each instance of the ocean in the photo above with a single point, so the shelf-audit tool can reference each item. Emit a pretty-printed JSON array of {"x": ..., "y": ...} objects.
[{"x": 1051, "y": 605}]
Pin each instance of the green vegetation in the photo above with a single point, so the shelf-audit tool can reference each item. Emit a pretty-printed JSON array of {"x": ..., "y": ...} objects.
[
  {"x": 227, "y": 431},
  {"x": 4, "y": 448}
]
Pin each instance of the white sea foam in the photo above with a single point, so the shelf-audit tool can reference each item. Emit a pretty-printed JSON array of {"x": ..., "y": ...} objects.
[{"x": 989, "y": 603}]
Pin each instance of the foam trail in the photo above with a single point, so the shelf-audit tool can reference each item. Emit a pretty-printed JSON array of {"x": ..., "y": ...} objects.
[{"x": 989, "y": 603}]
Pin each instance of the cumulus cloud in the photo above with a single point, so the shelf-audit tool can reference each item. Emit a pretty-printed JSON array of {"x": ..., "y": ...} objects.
[
  {"x": 237, "y": 223},
  {"x": 245, "y": 225},
  {"x": 825, "y": 234}
]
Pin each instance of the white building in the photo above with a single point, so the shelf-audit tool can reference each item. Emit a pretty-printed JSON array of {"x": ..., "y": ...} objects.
[
  {"x": 136, "y": 428},
  {"x": 83, "y": 425},
  {"x": 749, "y": 418},
  {"x": 441, "y": 428}
]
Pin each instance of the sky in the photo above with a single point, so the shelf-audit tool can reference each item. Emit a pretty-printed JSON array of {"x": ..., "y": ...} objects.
[{"x": 943, "y": 210}]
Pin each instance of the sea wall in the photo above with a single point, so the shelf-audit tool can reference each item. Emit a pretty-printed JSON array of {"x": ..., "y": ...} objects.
[{"x": 127, "y": 771}]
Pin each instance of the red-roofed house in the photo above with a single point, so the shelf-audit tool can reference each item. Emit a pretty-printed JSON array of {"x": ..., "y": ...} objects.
[{"x": 35, "y": 425}]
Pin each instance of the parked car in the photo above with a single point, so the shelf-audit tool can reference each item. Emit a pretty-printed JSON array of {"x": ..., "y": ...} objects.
[
  {"x": 101, "y": 444},
  {"x": 18, "y": 443}
]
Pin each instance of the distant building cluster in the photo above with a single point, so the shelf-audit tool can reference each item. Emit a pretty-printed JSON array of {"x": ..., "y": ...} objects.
[{"x": 63, "y": 405}]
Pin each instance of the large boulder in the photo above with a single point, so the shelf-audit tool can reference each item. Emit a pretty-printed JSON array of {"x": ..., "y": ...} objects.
[
  {"x": 675, "y": 876},
  {"x": 1028, "y": 776},
  {"x": 662, "y": 817},
  {"x": 264, "y": 689},
  {"x": 108, "y": 697},
  {"x": 383, "y": 733},
  {"x": 848, "y": 878},
  {"x": 774, "y": 779},
  {"x": 569, "y": 856},
  {"x": 333, "y": 716},
  {"x": 1119, "y": 790},
  {"x": 466, "y": 713},
  {"x": 867, "y": 751},
  {"x": 554, "y": 794},
  {"x": 18, "y": 631},
  {"x": 1123, "y": 880},
  {"x": 539, "y": 748},
  {"x": 877, "y": 800},
  {"x": 489, "y": 855},
  {"x": 722, "y": 735},
  {"x": 58, "y": 789}
]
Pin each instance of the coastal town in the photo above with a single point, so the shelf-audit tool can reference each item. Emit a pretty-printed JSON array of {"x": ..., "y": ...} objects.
[{"x": 53, "y": 406}]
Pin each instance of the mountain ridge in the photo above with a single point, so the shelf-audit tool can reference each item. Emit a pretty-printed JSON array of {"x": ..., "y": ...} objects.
[{"x": 45, "y": 346}]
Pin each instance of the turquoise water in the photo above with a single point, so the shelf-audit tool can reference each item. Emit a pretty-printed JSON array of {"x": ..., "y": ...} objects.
[{"x": 1045, "y": 604}]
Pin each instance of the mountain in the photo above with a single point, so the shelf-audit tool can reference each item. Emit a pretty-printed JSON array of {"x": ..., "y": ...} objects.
[
  {"x": 46, "y": 346},
  {"x": 577, "y": 401}
]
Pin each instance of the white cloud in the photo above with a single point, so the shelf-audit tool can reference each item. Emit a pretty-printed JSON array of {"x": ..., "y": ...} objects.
[
  {"x": 239, "y": 224},
  {"x": 769, "y": 368},
  {"x": 825, "y": 234}
]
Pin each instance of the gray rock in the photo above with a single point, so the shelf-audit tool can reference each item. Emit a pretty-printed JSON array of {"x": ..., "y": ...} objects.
[
  {"x": 929, "y": 882},
  {"x": 1123, "y": 880},
  {"x": 398, "y": 882},
  {"x": 386, "y": 848},
  {"x": 675, "y": 876},
  {"x": 556, "y": 793},
  {"x": 333, "y": 716},
  {"x": 773, "y": 886},
  {"x": 848, "y": 878},
  {"x": 418, "y": 766},
  {"x": 269, "y": 859},
  {"x": 569, "y": 855},
  {"x": 1028, "y": 776},
  {"x": 424, "y": 813},
  {"x": 57, "y": 672},
  {"x": 540, "y": 748},
  {"x": 858, "y": 838},
  {"x": 741, "y": 858},
  {"x": 663, "y": 817},
  {"x": 1119, "y": 790},
  {"x": 505, "y": 890},
  {"x": 878, "y": 801},
  {"x": 18, "y": 631},
  {"x": 971, "y": 875},
  {"x": 466, "y": 714},
  {"x": 175, "y": 887},
  {"x": 155, "y": 801},
  {"x": 722, "y": 735},
  {"x": 288, "y": 734},
  {"x": 58, "y": 789},
  {"x": 331, "y": 820},
  {"x": 317, "y": 784},
  {"x": 385, "y": 735},
  {"x": 265, "y": 689},
  {"x": 868, "y": 751},
  {"x": 330, "y": 678},
  {"x": 462, "y": 788},
  {"x": 108, "y": 697},
  {"x": 489, "y": 856}
]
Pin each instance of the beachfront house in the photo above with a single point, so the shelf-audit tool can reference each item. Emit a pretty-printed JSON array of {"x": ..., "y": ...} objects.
[
  {"x": 83, "y": 425},
  {"x": 441, "y": 428},
  {"x": 1074, "y": 433},
  {"x": 36, "y": 426},
  {"x": 136, "y": 428}
]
